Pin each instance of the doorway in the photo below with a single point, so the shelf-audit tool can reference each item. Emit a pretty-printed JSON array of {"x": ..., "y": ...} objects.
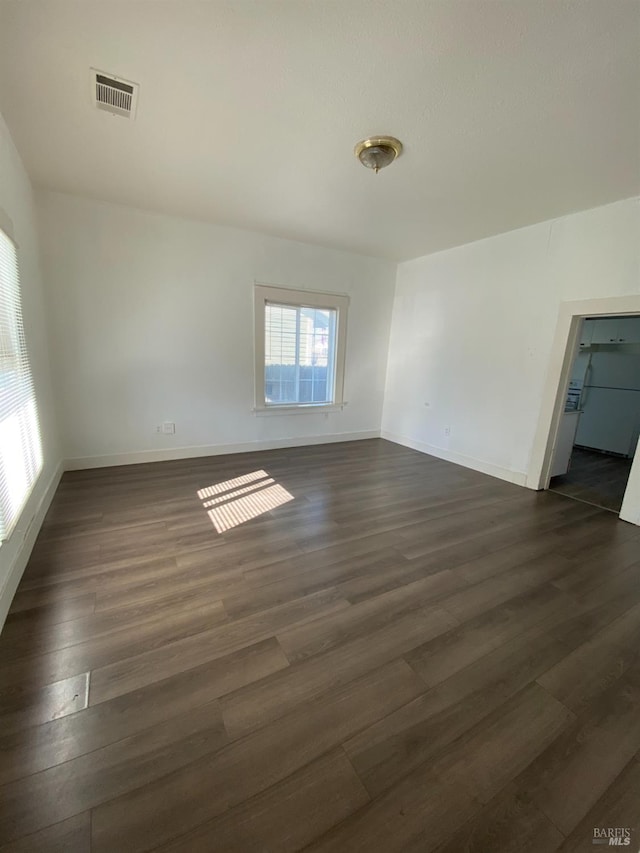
[
  {"x": 571, "y": 315},
  {"x": 599, "y": 425}
]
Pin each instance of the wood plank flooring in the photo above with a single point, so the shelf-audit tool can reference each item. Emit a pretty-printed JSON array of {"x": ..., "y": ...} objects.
[
  {"x": 387, "y": 652},
  {"x": 597, "y": 478}
]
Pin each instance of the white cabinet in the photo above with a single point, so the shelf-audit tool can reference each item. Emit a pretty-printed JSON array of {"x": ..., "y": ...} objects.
[
  {"x": 605, "y": 331},
  {"x": 610, "y": 330},
  {"x": 587, "y": 333},
  {"x": 629, "y": 330}
]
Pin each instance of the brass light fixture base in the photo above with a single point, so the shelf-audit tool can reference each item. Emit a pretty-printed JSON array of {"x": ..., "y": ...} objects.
[{"x": 376, "y": 152}]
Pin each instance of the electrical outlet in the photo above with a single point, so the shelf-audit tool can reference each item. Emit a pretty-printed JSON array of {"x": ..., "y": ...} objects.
[
  {"x": 168, "y": 428},
  {"x": 447, "y": 430}
]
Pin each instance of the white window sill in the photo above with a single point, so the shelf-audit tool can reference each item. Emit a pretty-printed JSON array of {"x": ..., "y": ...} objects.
[{"x": 312, "y": 409}]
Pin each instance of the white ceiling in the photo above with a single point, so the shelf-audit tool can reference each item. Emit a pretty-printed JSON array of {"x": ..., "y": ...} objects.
[{"x": 511, "y": 111}]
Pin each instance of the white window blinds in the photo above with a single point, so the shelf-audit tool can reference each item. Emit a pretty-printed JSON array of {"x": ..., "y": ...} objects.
[
  {"x": 300, "y": 346},
  {"x": 20, "y": 446},
  {"x": 299, "y": 350}
]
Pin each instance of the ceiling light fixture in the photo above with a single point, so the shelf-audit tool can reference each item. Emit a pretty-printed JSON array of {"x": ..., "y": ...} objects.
[{"x": 376, "y": 152}]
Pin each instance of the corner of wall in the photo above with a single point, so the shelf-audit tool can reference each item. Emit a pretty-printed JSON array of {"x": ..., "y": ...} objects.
[{"x": 385, "y": 393}]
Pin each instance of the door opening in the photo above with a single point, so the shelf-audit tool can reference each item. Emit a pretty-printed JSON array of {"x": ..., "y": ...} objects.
[{"x": 599, "y": 428}]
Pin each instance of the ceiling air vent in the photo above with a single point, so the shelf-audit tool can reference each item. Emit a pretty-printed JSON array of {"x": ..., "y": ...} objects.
[{"x": 114, "y": 94}]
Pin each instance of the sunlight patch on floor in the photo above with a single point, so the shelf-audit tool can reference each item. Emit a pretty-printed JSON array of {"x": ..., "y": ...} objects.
[
  {"x": 234, "y": 502},
  {"x": 229, "y": 485}
]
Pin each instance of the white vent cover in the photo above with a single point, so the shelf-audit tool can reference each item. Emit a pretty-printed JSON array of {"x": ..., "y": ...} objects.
[{"x": 114, "y": 94}]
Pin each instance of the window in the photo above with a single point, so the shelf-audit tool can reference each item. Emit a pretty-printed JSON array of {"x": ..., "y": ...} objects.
[
  {"x": 300, "y": 348},
  {"x": 20, "y": 447}
]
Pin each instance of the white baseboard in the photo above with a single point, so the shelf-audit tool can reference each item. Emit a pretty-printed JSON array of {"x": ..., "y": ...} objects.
[
  {"x": 519, "y": 478},
  {"x": 80, "y": 463},
  {"x": 28, "y": 535}
]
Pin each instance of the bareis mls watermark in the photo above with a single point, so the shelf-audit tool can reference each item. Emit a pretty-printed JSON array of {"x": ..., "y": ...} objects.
[{"x": 612, "y": 836}]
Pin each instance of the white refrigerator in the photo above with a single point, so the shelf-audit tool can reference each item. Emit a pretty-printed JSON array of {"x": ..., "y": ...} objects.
[{"x": 610, "y": 402}]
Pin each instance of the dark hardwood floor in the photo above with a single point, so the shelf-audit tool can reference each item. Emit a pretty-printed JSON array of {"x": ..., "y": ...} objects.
[
  {"x": 337, "y": 648},
  {"x": 597, "y": 478}
]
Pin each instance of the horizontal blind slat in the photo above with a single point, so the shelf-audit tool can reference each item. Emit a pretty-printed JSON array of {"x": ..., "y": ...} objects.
[{"x": 20, "y": 442}]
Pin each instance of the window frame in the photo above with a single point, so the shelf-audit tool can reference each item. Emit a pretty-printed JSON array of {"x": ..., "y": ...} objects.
[
  {"x": 338, "y": 302},
  {"x": 20, "y": 354}
]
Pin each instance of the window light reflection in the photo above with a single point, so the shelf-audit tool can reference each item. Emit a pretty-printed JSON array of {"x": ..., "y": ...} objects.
[
  {"x": 228, "y": 485},
  {"x": 254, "y": 488},
  {"x": 241, "y": 499}
]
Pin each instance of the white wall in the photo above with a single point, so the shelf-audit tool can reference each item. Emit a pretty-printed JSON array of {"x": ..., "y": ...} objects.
[
  {"x": 152, "y": 320},
  {"x": 473, "y": 330},
  {"x": 17, "y": 214}
]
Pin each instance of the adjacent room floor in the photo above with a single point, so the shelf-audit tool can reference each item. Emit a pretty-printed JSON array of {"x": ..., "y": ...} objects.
[
  {"x": 597, "y": 478},
  {"x": 336, "y": 648}
]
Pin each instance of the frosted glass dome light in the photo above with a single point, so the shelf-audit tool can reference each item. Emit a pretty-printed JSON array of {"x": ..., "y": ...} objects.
[{"x": 376, "y": 152}]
